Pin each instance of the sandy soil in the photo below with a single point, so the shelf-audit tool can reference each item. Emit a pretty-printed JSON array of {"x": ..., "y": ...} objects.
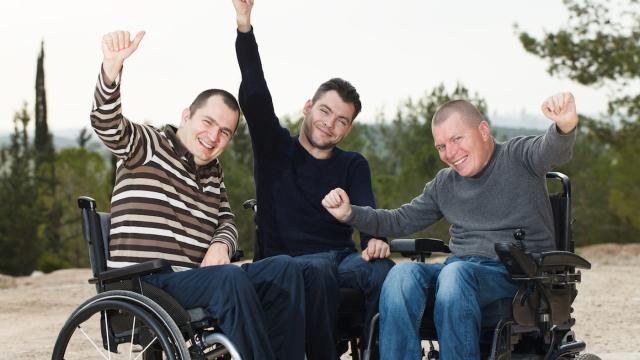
[{"x": 33, "y": 308}]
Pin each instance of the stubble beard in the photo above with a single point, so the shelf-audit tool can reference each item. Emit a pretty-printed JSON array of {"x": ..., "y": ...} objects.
[{"x": 307, "y": 131}]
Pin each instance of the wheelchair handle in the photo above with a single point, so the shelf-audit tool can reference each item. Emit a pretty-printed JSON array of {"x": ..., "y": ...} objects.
[{"x": 85, "y": 202}]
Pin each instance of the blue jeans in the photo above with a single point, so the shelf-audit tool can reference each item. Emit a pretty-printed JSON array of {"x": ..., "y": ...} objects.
[
  {"x": 462, "y": 287},
  {"x": 259, "y": 306},
  {"x": 324, "y": 274}
]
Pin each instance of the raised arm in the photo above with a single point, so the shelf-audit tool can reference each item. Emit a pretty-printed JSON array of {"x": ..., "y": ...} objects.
[
  {"x": 254, "y": 96},
  {"x": 125, "y": 139},
  {"x": 540, "y": 154}
]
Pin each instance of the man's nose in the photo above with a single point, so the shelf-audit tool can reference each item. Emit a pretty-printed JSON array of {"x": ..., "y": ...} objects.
[
  {"x": 214, "y": 134},
  {"x": 329, "y": 122},
  {"x": 450, "y": 151}
]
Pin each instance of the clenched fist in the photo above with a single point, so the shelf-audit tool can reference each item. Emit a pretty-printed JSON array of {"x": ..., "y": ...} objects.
[
  {"x": 561, "y": 109},
  {"x": 338, "y": 204}
]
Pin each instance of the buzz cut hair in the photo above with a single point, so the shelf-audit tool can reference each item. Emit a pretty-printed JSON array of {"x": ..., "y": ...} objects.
[{"x": 467, "y": 110}]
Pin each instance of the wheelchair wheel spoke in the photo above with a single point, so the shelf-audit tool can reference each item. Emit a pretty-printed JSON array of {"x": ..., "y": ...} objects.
[
  {"x": 131, "y": 341},
  {"x": 146, "y": 347},
  {"x": 92, "y": 342},
  {"x": 106, "y": 331}
]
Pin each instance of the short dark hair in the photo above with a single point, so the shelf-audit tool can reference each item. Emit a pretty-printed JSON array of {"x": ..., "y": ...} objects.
[
  {"x": 470, "y": 113},
  {"x": 227, "y": 98},
  {"x": 345, "y": 90}
]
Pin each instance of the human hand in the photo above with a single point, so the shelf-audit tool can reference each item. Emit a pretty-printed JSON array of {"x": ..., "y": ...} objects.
[
  {"x": 116, "y": 47},
  {"x": 243, "y": 14},
  {"x": 376, "y": 249},
  {"x": 338, "y": 204},
  {"x": 561, "y": 109},
  {"x": 217, "y": 254}
]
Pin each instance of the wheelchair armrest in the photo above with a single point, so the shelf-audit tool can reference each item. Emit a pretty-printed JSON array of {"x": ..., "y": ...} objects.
[
  {"x": 420, "y": 246},
  {"x": 563, "y": 258},
  {"x": 145, "y": 268},
  {"x": 517, "y": 262}
]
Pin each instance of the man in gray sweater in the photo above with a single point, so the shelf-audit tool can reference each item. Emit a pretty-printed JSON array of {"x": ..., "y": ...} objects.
[{"x": 489, "y": 190}]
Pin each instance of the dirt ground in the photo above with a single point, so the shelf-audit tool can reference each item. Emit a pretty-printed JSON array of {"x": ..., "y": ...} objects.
[{"x": 33, "y": 308}]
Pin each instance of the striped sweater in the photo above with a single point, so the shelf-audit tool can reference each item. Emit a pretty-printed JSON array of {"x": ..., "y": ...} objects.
[{"x": 163, "y": 205}]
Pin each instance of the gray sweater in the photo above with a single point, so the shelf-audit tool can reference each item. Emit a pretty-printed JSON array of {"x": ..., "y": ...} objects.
[{"x": 484, "y": 209}]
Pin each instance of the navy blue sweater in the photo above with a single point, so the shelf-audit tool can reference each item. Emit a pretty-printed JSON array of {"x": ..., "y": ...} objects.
[{"x": 290, "y": 183}]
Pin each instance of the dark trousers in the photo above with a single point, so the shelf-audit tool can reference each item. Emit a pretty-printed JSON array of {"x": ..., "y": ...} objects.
[
  {"x": 324, "y": 273},
  {"x": 259, "y": 306}
]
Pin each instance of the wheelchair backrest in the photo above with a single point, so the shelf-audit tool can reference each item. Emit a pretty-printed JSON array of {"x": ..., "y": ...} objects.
[
  {"x": 95, "y": 229},
  {"x": 561, "y": 206}
]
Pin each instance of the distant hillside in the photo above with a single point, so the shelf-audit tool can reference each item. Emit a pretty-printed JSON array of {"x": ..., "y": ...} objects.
[
  {"x": 502, "y": 133},
  {"x": 61, "y": 139}
]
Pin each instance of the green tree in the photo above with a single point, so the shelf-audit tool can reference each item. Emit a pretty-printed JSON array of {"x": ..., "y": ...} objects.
[
  {"x": 43, "y": 140},
  {"x": 237, "y": 164},
  {"x": 45, "y": 169},
  {"x": 600, "y": 46},
  {"x": 80, "y": 172},
  {"x": 19, "y": 243},
  {"x": 83, "y": 138}
]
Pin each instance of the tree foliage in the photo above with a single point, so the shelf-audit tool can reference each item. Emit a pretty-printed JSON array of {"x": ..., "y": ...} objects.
[
  {"x": 600, "y": 46},
  {"x": 20, "y": 247},
  {"x": 80, "y": 172},
  {"x": 237, "y": 164}
]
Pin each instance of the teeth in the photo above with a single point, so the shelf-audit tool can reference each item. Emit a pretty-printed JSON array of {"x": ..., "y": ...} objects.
[
  {"x": 205, "y": 144},
  {"x": 459, "y": 161}
]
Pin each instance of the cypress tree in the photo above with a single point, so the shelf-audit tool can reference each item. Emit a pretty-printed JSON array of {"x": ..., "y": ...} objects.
[
  {"x": 43, "y": 141},
  {"x": 45, "y": 174}
]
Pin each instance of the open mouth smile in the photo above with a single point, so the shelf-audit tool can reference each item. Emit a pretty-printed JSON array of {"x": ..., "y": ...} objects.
[{"x": 206, "y": 144}]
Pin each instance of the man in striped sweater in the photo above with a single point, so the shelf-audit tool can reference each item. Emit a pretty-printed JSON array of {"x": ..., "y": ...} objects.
[{"x": 169, "y": 201}]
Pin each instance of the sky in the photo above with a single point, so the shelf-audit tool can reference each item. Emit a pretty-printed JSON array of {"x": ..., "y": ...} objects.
[{"x": 390, "y": 50}]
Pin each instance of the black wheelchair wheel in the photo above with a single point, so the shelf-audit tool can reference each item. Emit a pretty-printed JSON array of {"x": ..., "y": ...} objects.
[
  {"x": 97, "y": 328},
  {"x": 587, "y": 356}
]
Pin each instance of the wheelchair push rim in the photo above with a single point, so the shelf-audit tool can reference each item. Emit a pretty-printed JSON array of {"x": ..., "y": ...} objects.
[{"x": 141, "y": 322}]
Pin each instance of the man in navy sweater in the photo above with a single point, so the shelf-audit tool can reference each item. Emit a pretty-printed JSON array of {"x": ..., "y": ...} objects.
[{"x": 292, "y": 175}]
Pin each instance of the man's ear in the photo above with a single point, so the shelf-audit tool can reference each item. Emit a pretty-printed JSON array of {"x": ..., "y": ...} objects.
[
  {"x": 186, "y": 114},
  {"x": 485, "y": 131},
  {"x": 307, "y": 107}
]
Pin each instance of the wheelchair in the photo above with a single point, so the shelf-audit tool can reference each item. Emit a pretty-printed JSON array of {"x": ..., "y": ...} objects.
[
  {"x": 126, "y": 310},
  {"x": 537, "y": 322},
  {"x": 351, "y": 306}
]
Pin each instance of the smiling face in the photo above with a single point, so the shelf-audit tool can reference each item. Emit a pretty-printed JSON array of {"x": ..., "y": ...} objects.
[
  {"x": 462, "y": 144},
  {"x": 207, "y": 131},
  {"x": 327, "y": 121}
]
